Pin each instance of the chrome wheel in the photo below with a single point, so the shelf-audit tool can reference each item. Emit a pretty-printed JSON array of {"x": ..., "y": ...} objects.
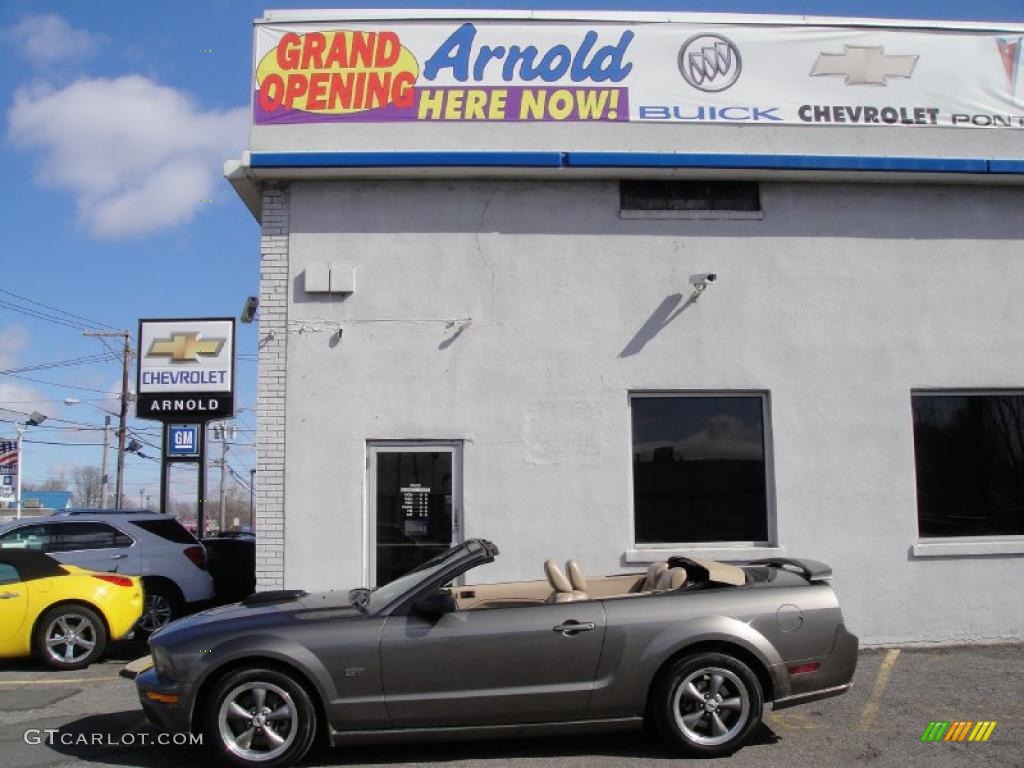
[
  {"x": 257, "y": 721},
  {"x": 70, "y": 638},
  {"x": 158, "y": 613},
  {"x": 711, "y": 706}
]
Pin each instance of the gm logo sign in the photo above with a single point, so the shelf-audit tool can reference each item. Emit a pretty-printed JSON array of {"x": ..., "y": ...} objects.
[{"x": 183, "y": 440}]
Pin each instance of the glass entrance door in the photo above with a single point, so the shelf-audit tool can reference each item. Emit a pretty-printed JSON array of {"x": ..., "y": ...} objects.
[{"x": 415, "y": 505}]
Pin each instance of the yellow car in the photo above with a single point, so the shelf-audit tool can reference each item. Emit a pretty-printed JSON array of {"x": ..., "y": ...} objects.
[{"x": 62, "y": 613}]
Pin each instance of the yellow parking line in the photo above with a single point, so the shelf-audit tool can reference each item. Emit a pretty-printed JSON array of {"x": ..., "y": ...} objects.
[
  {"x": 59, "y": 682},
  {"x": 870, "y": 712}
]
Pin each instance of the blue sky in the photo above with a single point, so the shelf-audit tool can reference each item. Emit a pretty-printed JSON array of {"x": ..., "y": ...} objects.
[{"x": 116, "y": 118}]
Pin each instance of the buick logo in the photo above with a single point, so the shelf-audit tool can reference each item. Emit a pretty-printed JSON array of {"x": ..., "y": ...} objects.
[{"x": 710, "y": 63}]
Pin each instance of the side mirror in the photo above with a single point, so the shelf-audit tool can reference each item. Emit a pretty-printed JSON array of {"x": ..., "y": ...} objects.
[{"x": 434, "y": 605}]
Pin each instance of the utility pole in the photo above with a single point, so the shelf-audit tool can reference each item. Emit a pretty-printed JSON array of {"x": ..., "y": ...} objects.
[
  {"x": 122, "y": 427},
  {"x": 223, "y": 432},
  {"x": 252, "y": 493},
  {"x": 104, "y": 478}
]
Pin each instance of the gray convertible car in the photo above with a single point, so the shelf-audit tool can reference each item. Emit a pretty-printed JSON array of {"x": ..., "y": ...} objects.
[{"x": 696, "y": 648}]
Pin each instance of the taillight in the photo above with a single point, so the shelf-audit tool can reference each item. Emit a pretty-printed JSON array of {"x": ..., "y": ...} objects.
[
  {"x": 804, "y": 669},
  {"x": 120, "y": 581},
  {"x": 197, "y": 555}
]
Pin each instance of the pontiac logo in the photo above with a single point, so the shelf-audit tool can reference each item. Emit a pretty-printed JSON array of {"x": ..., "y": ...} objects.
[
  {"x": 1010, "y": 51},
  {"x": 185, "y": 347},
  {"x": 710, "y": 63},
  {"x": 863, "y": 65}
]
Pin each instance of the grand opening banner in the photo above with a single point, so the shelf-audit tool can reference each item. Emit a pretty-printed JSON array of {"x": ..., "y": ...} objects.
[{"x": 654, "y": 72}]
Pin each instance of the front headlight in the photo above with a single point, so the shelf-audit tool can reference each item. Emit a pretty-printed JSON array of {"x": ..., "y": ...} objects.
[{"x": 162, "y": 662}]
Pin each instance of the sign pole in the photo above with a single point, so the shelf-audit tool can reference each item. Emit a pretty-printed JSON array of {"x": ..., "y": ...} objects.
[
  {"x": 20, "y": 429},
  {"x": 200, "y": 511},
  {"x": 164, "y": 466}
]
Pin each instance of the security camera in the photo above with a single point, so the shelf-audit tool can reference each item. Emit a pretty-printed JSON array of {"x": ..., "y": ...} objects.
[
  {"x": 702, "y": 279},
  {"x": 249, "y": 309}
]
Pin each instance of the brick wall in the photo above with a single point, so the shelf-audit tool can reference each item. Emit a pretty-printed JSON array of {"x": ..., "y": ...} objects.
[{"x": 273, "y": 331}]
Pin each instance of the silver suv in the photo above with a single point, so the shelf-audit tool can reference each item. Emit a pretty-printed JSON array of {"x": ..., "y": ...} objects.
[{"x": 171, "y": 562}]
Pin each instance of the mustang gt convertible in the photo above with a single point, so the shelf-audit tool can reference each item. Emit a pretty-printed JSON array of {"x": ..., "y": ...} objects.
[{"x": 698, "y": 648}]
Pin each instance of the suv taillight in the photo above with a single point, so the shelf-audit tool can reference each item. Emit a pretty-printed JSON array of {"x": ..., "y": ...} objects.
[
  {"x": 120, "y": 581},
  {"x": 197, "y": 555}
]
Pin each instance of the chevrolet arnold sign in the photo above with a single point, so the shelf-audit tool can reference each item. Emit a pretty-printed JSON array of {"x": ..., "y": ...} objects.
[{"x": 186, "y": 369}]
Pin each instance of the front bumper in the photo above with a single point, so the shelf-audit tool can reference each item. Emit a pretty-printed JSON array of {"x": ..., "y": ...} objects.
[{"x": 172, "y": 717}]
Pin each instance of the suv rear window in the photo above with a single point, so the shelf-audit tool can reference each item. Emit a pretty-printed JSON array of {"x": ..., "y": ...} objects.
[{"x": 171, "y": 530}]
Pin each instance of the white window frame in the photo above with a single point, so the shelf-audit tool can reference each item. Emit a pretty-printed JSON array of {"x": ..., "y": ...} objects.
[
  {"x": 716, "y": 550},
  {"x": 958, "y": 546}
]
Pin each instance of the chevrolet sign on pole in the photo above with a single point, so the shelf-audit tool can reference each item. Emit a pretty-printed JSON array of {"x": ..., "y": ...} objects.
[{"x": 186, "y": 369}]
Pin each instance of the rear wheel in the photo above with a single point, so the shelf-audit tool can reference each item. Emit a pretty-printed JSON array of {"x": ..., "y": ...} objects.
[
  {"x": 162, "y": 606},
  {"x": 707, "y": 704},
  {"x": 260, "y": 717},
  {"x": 70, "y": 637}
]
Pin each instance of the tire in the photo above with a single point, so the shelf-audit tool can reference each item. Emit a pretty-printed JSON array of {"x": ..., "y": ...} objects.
[
  {"x": 70, "y": 636},
  {"x": 238, "y": 740},
  {"x": 693, "y": 725},
  {"x": 162, "y": 606}
]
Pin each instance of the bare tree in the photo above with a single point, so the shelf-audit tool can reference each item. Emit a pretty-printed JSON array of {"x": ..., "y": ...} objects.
[
  {"x": 58, "y": 483},
  {"x": 87, "y": 485}
]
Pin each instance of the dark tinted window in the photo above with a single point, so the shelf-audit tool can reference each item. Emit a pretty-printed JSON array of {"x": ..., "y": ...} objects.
[
  {"x": 8, "y": 574},
  {"x": 689, "y": 196},
  {"x": 169, "y": 529},
  {"x": 35, "y": 537},
  {"x": 969, "y": 451},
  {"x": 699, "y": 471},
  {"x": 70, "y": 537}
]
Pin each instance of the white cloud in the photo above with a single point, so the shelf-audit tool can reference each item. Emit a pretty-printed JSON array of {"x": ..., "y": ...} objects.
[
  {"x": 48, "y": 39},
  {"x": 138, "y": 156}
]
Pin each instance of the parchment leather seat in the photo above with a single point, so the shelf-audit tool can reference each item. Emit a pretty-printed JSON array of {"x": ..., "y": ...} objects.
[
  {"x": 654, "y": 571},
  {"x": 671, "y": 578},
  {"x": 576, "y": 577},
  {"x": 563, "y": 591}
]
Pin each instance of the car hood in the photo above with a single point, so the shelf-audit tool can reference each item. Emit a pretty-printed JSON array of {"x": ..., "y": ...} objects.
[{"x": 268, "y": 610}]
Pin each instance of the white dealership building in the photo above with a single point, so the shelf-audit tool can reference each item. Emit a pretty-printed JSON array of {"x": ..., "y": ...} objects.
[{"x": 611, "y": 286}]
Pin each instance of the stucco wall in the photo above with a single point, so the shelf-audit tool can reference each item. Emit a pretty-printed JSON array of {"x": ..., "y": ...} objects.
[{"x": 838, "y": 303}]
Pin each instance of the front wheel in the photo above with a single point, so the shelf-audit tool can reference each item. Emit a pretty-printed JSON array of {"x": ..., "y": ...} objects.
[
  {"x": 707, "y": 704},
  {"x": 260, "y": 717}
]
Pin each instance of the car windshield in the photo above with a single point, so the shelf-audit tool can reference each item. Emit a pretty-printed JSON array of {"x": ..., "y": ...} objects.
[{"x": 384, "y": 595}]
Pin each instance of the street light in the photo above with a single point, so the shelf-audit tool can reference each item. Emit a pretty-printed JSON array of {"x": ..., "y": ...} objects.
[
  {"x": 106, "y": 440},
  {"x": 34, "y": 420}
]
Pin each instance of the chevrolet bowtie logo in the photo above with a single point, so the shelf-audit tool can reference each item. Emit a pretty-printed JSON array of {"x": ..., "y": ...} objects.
[
  {"x": 184, "y": 347},
  {"x": 864, "y": 65}
]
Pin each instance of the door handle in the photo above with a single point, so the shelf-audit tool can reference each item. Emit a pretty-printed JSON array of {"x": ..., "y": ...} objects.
[
  {"x": 7, "y": 595},
  {"x": 118, "y": 557},
  {"x": 573, "y": 627}
]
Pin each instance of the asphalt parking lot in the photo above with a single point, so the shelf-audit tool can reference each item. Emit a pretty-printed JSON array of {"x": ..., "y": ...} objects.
[{"x": 896, "y": 694}]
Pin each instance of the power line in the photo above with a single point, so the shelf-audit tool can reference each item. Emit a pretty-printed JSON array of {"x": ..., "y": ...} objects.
[
  {"x": 55, "y": 309},
  {"x": 56, "y": 384},
  {"x": 73, "y": 361}
]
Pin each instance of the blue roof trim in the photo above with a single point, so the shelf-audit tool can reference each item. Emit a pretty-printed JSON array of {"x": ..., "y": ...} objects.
[
  {"x": 406, "y": 159},
  {"x": 775, "y": 162},
  {"x": 1006, "y": 166},
  {"x": 514, "y": 159}
]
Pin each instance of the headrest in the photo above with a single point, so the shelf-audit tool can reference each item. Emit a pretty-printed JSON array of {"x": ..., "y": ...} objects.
[
  {"x": 576, "y": 577},
  {"x": 672, "y": 578},
  {"x": 654, "y": 571},
  {"x": 556, "y": 578}
]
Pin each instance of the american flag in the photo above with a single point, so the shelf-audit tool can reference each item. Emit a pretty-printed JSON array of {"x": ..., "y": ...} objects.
[{"x": 8, "y": 456}]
